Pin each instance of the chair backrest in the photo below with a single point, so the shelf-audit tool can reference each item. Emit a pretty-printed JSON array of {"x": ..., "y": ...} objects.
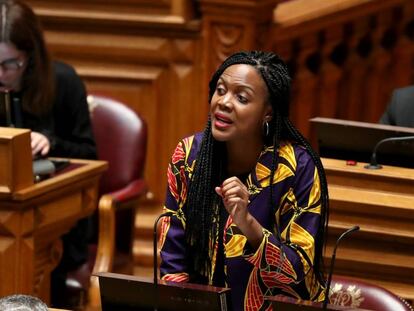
[
  {"x": 121, "y": 139},
  {"x": 350, "y": 292}
]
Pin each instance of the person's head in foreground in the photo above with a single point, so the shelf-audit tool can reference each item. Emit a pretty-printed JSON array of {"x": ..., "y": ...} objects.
[{"x": 22, "y": 303}]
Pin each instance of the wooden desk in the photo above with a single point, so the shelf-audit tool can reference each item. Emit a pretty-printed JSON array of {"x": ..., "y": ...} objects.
[
  {"x": 381, "y": 202},
  {"x": 33, "y": 219},
  {"x": 285, "y": 303}
]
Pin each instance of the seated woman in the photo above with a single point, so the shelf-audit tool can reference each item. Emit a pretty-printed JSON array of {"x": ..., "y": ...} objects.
[
  {"x": 400, "y": 109},
  {"x": 50, "y": 99},
  {"x": 249, "y": 195}
]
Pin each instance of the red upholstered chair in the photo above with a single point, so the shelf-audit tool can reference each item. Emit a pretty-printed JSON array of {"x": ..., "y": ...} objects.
[
  {"x": 121, "y": 139},
  {"x": 351, "y": 292}
]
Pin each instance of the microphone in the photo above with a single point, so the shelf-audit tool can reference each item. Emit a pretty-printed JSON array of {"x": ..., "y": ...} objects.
[
  {"x": 6, "y": 109},
  {"x": 328, "y": 285},
  {"x": 373, "y": 165},
  {"x": 155, "y": 253}
]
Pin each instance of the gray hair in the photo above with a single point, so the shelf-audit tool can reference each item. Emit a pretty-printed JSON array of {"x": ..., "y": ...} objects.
[{"x": 22, "y": 303}]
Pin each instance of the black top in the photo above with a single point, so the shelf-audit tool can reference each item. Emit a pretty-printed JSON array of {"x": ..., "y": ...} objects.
[
  {"x": 68, "y": 125},
  {"x": 400, "y": 110}
]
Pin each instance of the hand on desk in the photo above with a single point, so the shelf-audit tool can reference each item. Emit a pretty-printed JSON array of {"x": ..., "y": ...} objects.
[{"x": 40, "y": 144}]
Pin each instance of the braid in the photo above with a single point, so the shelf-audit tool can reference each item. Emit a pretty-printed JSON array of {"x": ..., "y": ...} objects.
[
  {"x": 209, "y": 170},
  {"x": 199, "y": 208}
]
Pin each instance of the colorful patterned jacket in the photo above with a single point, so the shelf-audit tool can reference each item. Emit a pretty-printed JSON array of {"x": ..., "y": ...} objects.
[{"x": 252, "y": 275}]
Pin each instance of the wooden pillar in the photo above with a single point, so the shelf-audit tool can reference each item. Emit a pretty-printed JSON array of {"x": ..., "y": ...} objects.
[
  {"x": 230, "y": 26},
  {"x": 304, "y": 95},
  {"x": 330, "y": 73}
]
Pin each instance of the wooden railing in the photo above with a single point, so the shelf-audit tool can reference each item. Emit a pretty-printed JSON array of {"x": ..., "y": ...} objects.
[{"x": 346, "y": 58}]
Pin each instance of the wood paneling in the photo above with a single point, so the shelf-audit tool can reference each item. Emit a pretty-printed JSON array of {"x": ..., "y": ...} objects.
[
  {"x": 381, "y": 202},
  {"x": 156, "y": 71},
  {"x": 33, "y": 219},
  {"x": 345, "y": 56}
]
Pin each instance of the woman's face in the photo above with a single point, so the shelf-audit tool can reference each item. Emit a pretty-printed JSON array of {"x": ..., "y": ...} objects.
[
  {"x": 239, "y": 105},
  {"x": 12, "y": 65}
]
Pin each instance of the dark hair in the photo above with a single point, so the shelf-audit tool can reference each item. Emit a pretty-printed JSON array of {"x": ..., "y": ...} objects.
[
  {"x": 20, "y": 27},
  {"x": 22, "y": 303},
  {"x": 207, "y": 174}
]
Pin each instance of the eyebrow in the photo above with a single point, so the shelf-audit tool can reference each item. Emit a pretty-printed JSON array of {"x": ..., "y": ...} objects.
[{"x": 247, "y": 86}]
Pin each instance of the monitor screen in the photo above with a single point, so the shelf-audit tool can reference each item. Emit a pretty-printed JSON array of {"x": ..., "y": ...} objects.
[
  {"x": 352, "y": 140},
  {"x": 128, "y": 293}
]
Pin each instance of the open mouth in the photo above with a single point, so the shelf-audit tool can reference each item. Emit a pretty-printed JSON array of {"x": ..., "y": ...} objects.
[
  {"x": 221, "y": 121},
  {"x": 222, "y": 118}
]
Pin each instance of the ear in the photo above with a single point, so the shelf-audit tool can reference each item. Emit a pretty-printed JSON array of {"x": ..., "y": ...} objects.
[{"x": 268, "y": 113}]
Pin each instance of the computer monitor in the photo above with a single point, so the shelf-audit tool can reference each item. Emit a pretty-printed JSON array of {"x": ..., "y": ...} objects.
[
  {"x": 352, "y": 140},
  {"x": 127, "y": 293}
]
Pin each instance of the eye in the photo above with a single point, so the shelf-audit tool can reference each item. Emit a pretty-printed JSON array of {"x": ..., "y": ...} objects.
[
  {"x": 242, "y": 99},
  {"x": 220, "y": 90},
  {"x": 11, "y": 64}
]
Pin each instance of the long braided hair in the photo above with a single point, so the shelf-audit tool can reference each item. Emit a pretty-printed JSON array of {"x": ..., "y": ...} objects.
[{"x": 209, "y": 169}]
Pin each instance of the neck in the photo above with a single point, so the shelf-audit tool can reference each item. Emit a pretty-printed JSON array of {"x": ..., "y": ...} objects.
[{"x": 242, "y": 157}]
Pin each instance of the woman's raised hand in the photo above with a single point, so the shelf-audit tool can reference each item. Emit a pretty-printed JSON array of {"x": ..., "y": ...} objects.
[{"x": 235, "y": 198}]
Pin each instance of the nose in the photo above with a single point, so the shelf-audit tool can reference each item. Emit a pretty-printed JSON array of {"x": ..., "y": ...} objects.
[{"x": 225, "y": 101}]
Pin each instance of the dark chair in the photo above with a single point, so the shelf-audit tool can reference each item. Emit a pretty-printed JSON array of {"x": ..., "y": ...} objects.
[
  {"x": 121, "y": 139},
  {"x": 352, "y": 292}
]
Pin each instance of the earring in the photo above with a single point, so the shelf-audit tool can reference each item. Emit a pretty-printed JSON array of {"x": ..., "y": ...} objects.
[{"x": 266, "y": 128}]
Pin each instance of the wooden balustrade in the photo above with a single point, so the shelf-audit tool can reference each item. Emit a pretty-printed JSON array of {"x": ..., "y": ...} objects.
[{"x": 346, "y": 58}]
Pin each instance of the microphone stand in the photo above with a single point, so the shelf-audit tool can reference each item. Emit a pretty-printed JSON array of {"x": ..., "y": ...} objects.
[
  {"x": 328, "y": 284},
  {"x": 373, "y": 165},
  {"x": 155, "y": 253},
  {"x": 7, "y": 108}
]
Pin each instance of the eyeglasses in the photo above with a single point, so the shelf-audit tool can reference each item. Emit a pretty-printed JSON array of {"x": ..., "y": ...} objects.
[{"x": 12, "y": 64}]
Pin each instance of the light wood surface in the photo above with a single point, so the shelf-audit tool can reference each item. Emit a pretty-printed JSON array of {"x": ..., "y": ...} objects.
[
  {"x": 16, "y": 160},
  {"x": 33, "y": 219},
  {"x": 381, "y": 202}
]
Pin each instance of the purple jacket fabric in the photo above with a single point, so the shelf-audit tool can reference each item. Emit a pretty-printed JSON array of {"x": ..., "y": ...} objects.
[{"x": 254, "y": 274}]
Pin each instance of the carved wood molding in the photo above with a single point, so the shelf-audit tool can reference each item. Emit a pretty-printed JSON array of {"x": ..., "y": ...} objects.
[
  {"x": 126, "y": 16},
  {"x": 230, "y": 26},
  {"x": 295, "y": 18}
]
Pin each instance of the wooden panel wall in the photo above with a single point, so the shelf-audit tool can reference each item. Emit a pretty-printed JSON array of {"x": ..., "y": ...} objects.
[
  {"x": 381, "y": 202},
  {"x": 346, "y": 57},
  {"x": 144, "y": 53}
]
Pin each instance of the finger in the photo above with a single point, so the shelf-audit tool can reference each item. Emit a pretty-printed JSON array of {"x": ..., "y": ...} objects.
[
  {"x": 231, "y": 180},
  {"x": 228, "y": 186},
  {"x": 35, "y": 146},
  {"x": 236, "y": 201},
  {"x": 45, "y": 149},
  {"x": 219, "y": 191},
  {"x": 41, "y": 145},
  {"x": 36, "y": 149},
  {"x": 237, "y": 190}
]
